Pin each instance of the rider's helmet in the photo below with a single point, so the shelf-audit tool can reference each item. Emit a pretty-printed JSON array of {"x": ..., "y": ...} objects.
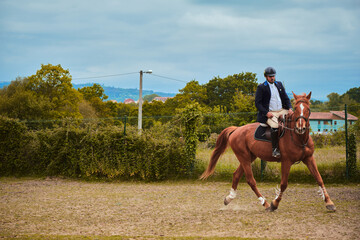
[{"x": 269, "y": 71}]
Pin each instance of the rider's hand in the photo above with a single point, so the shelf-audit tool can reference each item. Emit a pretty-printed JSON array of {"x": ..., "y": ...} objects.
[
  {"x": 269, "y": 115},
  {"x": 290, "y": 111}
]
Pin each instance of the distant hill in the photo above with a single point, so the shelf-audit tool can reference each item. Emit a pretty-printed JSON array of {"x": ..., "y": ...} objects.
[{"x": 118, "y": 94}]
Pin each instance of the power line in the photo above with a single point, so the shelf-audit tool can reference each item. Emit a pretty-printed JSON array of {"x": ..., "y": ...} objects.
[
  {"x": 174, "y": 79},
  {"x": 113, "y": 75},
  {"x": 122, "y": 74}
]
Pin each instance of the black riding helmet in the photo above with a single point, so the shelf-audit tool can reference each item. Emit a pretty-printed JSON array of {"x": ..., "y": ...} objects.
[{"x": 269, "y": 71}]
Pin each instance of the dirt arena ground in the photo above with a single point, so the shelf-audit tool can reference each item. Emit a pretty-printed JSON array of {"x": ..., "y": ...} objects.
[{"x": 58, "y": 207}]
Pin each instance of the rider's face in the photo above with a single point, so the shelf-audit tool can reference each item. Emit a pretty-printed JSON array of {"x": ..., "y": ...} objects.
[{"x": 270, "y": 79}]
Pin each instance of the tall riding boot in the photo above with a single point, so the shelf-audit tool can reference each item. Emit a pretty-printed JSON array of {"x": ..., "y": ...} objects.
[{"x": 275, "y": 142}]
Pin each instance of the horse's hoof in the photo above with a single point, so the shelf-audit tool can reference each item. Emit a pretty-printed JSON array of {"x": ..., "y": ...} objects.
[
  {"x": 331, "y": 208},
  {"x": 272, "y": 207},
  {"x": 226, "y": 202}
]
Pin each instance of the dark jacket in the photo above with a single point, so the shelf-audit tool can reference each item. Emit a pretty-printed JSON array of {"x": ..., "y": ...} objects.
[{"x": 262, "y": 99}]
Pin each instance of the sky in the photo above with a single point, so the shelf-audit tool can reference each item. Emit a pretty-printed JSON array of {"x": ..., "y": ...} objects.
[{"x": 312, "y": 44}]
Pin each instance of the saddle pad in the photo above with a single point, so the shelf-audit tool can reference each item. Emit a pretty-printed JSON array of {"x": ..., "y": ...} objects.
[{"x": 264, "y": 134}]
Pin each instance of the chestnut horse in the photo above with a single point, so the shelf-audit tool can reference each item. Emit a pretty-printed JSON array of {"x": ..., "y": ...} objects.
[{"x": 296, "y": 145}]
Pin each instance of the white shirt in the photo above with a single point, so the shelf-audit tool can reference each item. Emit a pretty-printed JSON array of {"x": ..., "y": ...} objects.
[{"x": 275, "y": 100}]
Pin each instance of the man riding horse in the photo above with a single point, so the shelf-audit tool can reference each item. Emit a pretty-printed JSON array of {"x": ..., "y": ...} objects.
[{"x": 272, "y": 101}]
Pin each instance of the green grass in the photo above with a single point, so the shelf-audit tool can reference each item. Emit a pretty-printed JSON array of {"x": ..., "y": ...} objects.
[{"x": 331, "y": 162}]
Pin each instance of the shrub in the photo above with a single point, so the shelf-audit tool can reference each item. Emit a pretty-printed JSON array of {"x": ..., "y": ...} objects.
[
  {"x": 12, "y": 136},
  {"x": 351, "y": 166},
  {"x": 92, "y": 150}
]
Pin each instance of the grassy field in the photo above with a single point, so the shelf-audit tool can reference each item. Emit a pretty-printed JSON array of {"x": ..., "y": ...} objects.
[
  {"x": 331, "y": 162},
  {"x": 68, "y": 209}
]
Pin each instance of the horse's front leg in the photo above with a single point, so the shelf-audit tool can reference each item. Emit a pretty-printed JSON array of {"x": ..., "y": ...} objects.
[
  {"x": 311, "y": 164},
  {"x": 285, "y": 170}
]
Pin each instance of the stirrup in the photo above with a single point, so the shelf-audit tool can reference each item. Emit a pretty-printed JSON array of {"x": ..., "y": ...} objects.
[{"x": 276, "y": 153}]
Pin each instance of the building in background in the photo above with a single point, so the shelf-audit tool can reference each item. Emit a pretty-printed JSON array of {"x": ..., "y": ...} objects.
[
  {"x": 327, "y": 122},
  {"x": 129, "y": 100},
  {"x": 162, "y": 99}
]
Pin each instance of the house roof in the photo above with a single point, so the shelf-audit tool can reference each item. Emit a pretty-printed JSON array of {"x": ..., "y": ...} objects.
[
  {"x": 129, "y": 100},
  {"x": 341, "y": 114},
  {"x": 163, "y": 99},
  {"x": 332, "y": 115}
]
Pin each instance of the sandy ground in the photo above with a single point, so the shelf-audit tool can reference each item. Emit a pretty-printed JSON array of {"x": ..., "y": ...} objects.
[{"x": 66, "y": 207}]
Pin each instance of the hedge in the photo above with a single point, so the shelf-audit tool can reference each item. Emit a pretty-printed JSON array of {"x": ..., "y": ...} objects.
[{"x": 91, "y": 151}]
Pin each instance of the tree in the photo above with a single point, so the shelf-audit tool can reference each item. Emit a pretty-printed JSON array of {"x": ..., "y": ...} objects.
[
  {"x": 48, "y": 94},
  {"x": 193, "y": 91},
  {"x": 243, "y": 103},
  {"x": 17, "y": 102},
  {"x": 95, "y": 91},
  {"x": 95, "y": 96},
  {"x": 221, "y": 92},
  {"x": 334, "y": 101},
  {"x": 53, "y": 84},
  {"x": 150, "y": 97},
  {"x": 316, "y": 105},
  {"x": 244, "y": 107},
  {"x": 354, "y": 93}
]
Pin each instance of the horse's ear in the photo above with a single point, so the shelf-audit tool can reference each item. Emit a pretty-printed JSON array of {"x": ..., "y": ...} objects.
[
  {"x": 295, "y": 96},
  {"x": 308, "y": 96}
]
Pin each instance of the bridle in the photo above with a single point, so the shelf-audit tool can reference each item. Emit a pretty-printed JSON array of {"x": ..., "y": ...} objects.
[
  {"x": 302, "y": 117},
  {"x": 286, "y": 120},
  {"x": 285, "y": 123}
]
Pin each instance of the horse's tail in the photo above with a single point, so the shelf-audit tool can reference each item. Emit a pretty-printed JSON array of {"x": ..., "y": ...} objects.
[{"x": 220, "y": 147}]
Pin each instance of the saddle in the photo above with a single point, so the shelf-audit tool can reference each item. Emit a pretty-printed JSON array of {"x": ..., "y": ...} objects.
[{"x": 264, "y": 133}]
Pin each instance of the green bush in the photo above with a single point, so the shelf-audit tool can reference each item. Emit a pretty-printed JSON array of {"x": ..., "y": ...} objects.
[
  {"x": 352, "y": 169},
  {"x": 92, "y": 150},
  {"x": 12, "y": 141}
]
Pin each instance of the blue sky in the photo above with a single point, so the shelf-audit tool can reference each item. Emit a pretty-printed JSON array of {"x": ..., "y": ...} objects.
[{"x": 313, "y": 44}]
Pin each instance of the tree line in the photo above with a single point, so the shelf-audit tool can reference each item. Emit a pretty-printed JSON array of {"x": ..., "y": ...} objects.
[{"x": 49, "y": 94}]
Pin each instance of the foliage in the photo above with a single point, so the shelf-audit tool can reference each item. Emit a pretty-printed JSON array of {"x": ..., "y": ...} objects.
[
  {"x": 150, "y": 97},
  {"x": 191, "y": 118},
  {"x": 53, "y": 83},
  {"x": 91, "y": 150},
  {"x": 351, "y": 165},
  {"x": 17, "y": 102},
  {"x": 354, "y": 93},
  {"x": 46, "y": 95},
  {"x": 220, "y": 92},
  {"x": 243, "y": 103},
  {"x": 95, "y": 91},
  {"x": 193, "y": 91},
  {"x": 12, "y": 141}
]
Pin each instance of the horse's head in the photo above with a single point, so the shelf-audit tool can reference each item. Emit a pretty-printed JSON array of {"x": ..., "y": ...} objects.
[{"x": 302, "y": 112}]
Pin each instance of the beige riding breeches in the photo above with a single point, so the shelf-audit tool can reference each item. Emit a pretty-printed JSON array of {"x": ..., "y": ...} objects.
[{"x": 273, "y": 122}]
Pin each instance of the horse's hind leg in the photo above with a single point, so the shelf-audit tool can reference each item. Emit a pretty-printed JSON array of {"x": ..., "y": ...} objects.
[
  {"x": 251, "y": 180},
  {"x": 236, "y": 178},
  {"x": 311, "y": 164}
]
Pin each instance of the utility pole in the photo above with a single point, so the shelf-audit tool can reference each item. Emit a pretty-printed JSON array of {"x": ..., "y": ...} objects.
[{"x": 141, "y": 100}]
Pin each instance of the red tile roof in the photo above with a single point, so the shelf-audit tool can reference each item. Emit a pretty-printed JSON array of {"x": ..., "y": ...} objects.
[
  {"x": 129, "y": 100},
  {"x": 332, "y": 115},
  {"x": 341, "y": 114}
]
